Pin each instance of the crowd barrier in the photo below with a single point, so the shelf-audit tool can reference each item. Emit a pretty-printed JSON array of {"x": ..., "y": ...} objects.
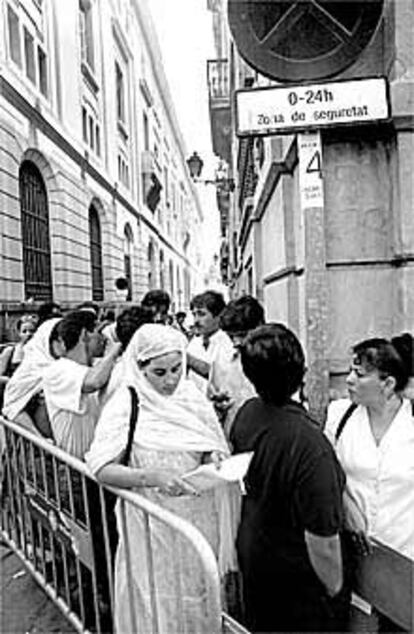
[{"x": 60, "y": 522}]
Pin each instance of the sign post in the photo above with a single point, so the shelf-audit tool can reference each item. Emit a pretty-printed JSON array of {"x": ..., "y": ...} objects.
[
  {"x": 306, "y": 109},
  {"x": 316, "y": 283}
]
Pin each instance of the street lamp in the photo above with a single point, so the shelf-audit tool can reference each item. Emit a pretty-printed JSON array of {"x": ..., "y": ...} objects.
[{"x": 221, "y": 181}]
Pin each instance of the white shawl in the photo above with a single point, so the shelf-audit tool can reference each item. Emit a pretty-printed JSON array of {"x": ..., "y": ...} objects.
[
  {"x": 27, "y": 379},
  {"x": 184, "y": 421}
]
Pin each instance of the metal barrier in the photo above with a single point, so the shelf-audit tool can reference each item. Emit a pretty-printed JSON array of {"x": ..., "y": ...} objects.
[{"x": 61, "y": 524}]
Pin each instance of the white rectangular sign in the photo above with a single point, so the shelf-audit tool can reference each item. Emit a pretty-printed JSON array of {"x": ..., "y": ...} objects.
[
  {"x": 284, "y": 109},
  {"x": 310, "y": 169}
]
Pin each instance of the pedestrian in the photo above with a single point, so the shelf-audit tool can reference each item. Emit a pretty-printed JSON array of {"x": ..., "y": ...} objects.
[
  {"x": 180, "y": 318},
  {"x": 126, "y": 325},
  {"x": 122, "y": 290},
  {"x": 71, "y": 382},
  {"x": 209, "y": 339},
  {"x": 288, "y": 541},
  {"x": 23, "y": 396},
  {"x": 175, "y": 431},
  {"x": 158, "y": 302},
  {"x": 373, "y": 434},
  {"x": 12, "y": 355},
  {"x": 228, "y": 386},
  {"x": 48, "y": 310}
]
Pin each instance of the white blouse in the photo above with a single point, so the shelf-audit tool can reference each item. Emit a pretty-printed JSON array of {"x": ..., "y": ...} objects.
[{"x": 380, "y": 477}]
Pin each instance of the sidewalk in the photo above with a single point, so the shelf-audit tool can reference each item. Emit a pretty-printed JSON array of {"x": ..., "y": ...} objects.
[{"x": 24, "y": 607}]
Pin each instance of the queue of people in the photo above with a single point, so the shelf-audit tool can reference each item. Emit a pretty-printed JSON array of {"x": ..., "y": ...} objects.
[{"x": 231, "y": 384}]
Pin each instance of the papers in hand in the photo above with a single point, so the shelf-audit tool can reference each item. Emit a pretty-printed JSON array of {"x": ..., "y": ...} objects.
[{"x": 232, "y": 469}]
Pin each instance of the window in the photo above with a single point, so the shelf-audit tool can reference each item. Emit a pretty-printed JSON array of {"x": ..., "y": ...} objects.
[
  {"x": 123, "y": 170},
  {"x": 128, "y": 248},
  {"x": 26, "y": 49},
  {"x": 14, "y": 36},
  {"x": 86, "y": 34},
  {"x": 35, "y": 233},
  {"x": 29, "y": 56},
  {"x": 120, "y": 93},
  {"x": 95, "y": 246},
  {"x": 146, "y": 132},
  {"x": 90, "y": 129},
  {"x": 42, "y": 65}
]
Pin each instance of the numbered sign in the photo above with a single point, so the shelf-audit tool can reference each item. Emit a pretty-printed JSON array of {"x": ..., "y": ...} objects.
[{"x": 310, "y": 170}]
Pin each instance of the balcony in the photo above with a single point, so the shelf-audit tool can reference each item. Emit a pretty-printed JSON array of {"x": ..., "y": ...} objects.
[
  {"x": 150, "y": 182},
  {"x": 218, "y": 79}
]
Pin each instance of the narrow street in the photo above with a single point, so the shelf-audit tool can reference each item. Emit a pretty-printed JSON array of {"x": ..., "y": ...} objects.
[{"x": 36, "y": 614}]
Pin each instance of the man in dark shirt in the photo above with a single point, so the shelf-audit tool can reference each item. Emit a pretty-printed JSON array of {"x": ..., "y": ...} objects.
[{"x": 288, "y": 541}]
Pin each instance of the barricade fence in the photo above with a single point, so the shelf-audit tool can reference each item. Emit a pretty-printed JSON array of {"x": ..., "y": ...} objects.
[{"x": 61, "y": 524}]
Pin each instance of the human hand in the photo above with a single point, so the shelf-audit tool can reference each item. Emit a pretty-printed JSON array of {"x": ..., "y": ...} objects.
[
  {"x": 360, "y": 543},
  {"x": 216, "y": 458},
  {"x": 170, "y": 483}
]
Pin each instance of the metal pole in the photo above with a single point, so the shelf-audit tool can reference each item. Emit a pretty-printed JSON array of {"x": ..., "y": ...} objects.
[{"x": 316, "y": 283}]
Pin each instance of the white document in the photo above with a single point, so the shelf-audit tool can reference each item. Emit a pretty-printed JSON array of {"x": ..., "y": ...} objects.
[{"x": 232, "y": 469}]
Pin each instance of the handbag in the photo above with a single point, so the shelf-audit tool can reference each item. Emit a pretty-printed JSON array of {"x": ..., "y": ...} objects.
[{"x": 132, "y": 425}]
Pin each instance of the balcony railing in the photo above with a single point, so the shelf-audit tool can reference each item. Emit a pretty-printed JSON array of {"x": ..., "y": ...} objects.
[{"x": 218, "y": 79}]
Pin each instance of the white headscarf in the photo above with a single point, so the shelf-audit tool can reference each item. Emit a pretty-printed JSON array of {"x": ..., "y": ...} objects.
[
  {"x": 27, "y": 379},
  {"x": 184, "y": 420}
]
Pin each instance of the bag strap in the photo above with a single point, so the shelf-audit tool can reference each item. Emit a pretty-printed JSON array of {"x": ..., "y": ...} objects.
[
  {"x": 132, "y": 425},
  {"x": 348, "y": 413}
]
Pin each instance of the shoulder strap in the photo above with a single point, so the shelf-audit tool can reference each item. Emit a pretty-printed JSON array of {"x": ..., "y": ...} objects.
[
  {"x": 347, "y": 414},
  {"x": 132, "y": 425}
]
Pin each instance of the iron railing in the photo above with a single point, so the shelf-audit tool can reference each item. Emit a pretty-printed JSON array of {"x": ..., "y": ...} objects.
[{"x": 60, "y": 523}]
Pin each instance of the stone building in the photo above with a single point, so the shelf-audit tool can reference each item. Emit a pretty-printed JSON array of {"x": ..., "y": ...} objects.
[
  {"x": 94, "y": 184},
  {"x": 366, "y": 284}
]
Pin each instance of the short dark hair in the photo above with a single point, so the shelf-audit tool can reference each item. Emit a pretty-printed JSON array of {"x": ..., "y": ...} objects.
[
  {"x": 180, "y": 315},
  {"x": 273, "y": 360},
  {"x": 156, "y": 298},
  {"x": 129, "y": 321},
  {"x": 48, "y": 310},
  {"x": 70, "y": 327},
  {"x": 211, "y": 300},
  {"x": 390, "y": 358},
  {"x": 242, "y": 314}
]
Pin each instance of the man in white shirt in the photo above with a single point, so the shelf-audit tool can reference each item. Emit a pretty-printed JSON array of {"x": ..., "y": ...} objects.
[
  {"x": 71, "y": 383},
  {"x": 229, "y": 387},
  {"x": 209, "y": 340}
]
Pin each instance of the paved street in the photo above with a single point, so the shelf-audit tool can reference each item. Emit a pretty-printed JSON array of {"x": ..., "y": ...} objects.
[{"x": 24, "y": 607}]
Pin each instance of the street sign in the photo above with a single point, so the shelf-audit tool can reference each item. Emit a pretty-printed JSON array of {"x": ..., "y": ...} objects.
[
  {"x": 281, "y": 109},
  {"x": 306, "y": 40},
  {"x": 310, "y": 170}
]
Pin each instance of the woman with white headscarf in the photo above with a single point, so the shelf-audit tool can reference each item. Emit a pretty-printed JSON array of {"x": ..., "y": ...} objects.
[
  {"x": 26, "y": 383},
  {"x": 176, "y": 430}
]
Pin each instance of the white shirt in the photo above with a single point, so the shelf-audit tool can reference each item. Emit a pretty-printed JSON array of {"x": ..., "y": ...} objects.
[
  {"x": 226, "y": 375},
  {"x": 218, "y": 343},
  {"x": 380, "y": 477},
  {"x": 73, "y": 414}
]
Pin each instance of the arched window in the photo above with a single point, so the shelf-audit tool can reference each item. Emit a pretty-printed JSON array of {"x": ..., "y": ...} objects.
[
  {"x": 35, "y": 234},
  {"x": 128, "y": 248},
  {"x": 95, "y": 244}
]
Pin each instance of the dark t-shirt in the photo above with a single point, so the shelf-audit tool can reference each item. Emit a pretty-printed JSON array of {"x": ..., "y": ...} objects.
[{"x": 294, "y": 483}]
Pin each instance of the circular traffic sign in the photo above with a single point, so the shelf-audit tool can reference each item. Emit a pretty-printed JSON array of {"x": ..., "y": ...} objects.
[{"x": 290, "y": 40}]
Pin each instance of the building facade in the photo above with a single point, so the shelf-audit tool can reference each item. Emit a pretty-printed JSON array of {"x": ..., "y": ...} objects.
[
  {"x": 94, "y": 184},
  {"x": 366, "y": 234}
]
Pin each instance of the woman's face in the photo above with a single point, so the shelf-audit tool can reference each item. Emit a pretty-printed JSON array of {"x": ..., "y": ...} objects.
[
  {"x": 26, "y": 331},
  {"x": 365, "y": 386},
  {"x": 164, "y": 372}
]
